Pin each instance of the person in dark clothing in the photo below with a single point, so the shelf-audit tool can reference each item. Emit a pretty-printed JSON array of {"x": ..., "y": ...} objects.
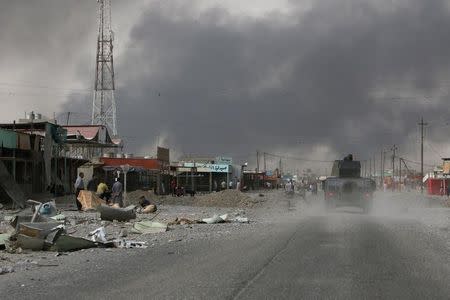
[
  {"x": 448, "y": 191},
  {"x": 79, "y": 185},
  {"x": 92, "y": 184}
]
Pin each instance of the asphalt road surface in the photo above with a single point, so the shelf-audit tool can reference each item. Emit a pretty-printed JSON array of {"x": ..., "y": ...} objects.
[{"x": 342, "y": 255}]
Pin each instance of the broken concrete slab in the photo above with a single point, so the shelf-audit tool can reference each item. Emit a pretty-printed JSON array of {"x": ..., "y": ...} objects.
[{"x": 120, "y": 214}]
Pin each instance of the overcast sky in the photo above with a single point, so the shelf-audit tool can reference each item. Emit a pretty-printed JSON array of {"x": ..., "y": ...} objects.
[{"x": 313, "y": 79}]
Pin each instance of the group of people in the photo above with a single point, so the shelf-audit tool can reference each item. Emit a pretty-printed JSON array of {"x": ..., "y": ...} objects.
[{"x": 113, "y": 196}]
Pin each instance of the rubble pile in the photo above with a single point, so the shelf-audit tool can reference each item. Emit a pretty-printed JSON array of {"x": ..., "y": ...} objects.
[{"x": 225, "y": 198}]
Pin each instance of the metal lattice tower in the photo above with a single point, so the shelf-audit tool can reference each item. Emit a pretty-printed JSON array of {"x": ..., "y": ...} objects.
[{"x": 104, "y": 103}]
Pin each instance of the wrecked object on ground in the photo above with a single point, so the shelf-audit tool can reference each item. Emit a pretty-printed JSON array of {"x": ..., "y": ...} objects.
[
  {"x": 89, "y": 200},
  {"x": 145, "y": 227},
  {"x": 120, "y": 214}
]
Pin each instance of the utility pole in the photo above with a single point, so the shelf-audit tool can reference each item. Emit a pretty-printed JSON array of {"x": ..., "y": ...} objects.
[
  {"x": 381, "y": 169},
  {"x": 264, "y": 159},
  {"x": 422, "y": 124},
  {"x": 400, "y": 174},
  {"x": 394, "y": 148},
  {"x": 257, "y": 161},
  {"x": 280, "y": 166}
]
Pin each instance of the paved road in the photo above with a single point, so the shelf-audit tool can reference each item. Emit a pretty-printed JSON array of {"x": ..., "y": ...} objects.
[{"x": 338, "y": 256}]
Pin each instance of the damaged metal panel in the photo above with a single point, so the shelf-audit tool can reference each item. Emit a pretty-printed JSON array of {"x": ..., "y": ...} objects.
[
  {"x": 120, "y": 214},
  {"x": 31, "y": 243},
  {"x": 70, "y": 243},
  {"x": 39, "y": 230}
]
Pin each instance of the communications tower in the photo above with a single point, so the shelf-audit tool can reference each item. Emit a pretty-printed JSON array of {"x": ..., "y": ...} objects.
[{"x": 104, "y": 104}]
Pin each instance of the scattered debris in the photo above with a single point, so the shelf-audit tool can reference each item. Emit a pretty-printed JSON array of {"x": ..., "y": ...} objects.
[
  {"x": 241, "y": 220},
  {"x": 99, "y": 235},
  {"x": 120, "y": 214},
  {"x": 59, "y": 217},
  {"x": 130, "y": 244},
  {"x": 123, "y": 232},
  {"x": 216, "y": 219},
  {"x": 6, "y": 270},
  {"x": 145, "y": 227},
  {"x": 184, "y": 221}
]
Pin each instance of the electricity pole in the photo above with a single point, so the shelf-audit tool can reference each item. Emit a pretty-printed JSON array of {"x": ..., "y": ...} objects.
[
  {"x": 422, "y": 124},
  {"x": 257, "y": 161},
  {"x": 381, "y": 170},
  {"x": 264, "y": 159},
  {"x": 394, "y": 148}
]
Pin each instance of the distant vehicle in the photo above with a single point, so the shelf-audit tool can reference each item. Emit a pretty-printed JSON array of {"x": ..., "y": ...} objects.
[{"x": 346, "y": 187}]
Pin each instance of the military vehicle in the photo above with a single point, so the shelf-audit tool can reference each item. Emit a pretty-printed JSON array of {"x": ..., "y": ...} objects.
[{"x": 346, "y": 187}]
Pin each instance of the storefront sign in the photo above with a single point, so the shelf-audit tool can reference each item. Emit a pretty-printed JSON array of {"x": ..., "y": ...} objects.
[{"x": 201, "y": 167}]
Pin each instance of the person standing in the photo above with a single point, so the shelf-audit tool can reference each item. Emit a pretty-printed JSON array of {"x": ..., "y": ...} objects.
[
  {"x": 117, "y": 193},
  {"x": 92, "y": 184},
  {"x": 103, "y": 192},
  {"x": 173, "y": 187},
  {"x": 79, "y": 185}
]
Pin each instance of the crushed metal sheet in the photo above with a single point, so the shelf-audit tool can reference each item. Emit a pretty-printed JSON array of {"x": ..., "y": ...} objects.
[
  {"x": 145, "y": 227},
  {"x": 67, "y": 243}
]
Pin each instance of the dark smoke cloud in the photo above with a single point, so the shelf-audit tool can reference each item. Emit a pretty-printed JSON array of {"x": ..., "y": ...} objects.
[
  {"x": 315, "y": 82},
  {"x": 218, "y": 83}
]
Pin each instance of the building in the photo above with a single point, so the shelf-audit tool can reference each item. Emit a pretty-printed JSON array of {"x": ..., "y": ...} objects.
[
  {"x": 203, "y": 174},
  {"x": 90, "y": 141},
  {"x": 31, "y": 158}
]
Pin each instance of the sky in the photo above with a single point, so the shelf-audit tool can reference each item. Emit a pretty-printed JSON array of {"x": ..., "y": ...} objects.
[{"x": 309, "y": 79}]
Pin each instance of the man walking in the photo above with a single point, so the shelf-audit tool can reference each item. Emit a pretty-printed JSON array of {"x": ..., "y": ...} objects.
[
  {"x": 117, "y": 193},
  {"x": 79, "y": 185}
]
